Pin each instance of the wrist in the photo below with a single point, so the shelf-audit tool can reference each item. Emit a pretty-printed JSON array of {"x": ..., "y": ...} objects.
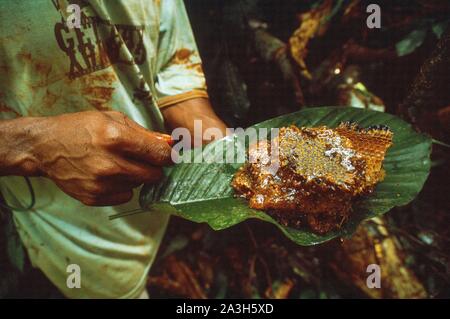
[{"x": 20, "y": 140}]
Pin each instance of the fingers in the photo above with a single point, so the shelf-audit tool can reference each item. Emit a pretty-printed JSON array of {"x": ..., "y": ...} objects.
[
  {"x": 102, "y": 191},
  {"x": 112, "y": 156},
  {"x": 139, "y": 143},
  {"x": 144, "y": 147},
  {"x": 138, "y": 173},
  {"x": 108, "y": 200},
  {"x": 122, "y": 118},
  {"x": 160, "y": 136},
  {"x": 164, "y": 137}
]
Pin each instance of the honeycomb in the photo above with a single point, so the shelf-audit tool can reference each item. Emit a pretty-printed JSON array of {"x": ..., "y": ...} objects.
[
  {"x": 320, "y": 172},
  {"x": 372, "y": 144}
]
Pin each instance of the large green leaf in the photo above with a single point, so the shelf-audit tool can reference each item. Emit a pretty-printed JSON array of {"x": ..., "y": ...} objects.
[{"x": 202, "y": 192}]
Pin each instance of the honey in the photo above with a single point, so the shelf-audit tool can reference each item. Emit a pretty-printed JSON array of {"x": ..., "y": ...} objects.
[{"x": 321, "y": 173}]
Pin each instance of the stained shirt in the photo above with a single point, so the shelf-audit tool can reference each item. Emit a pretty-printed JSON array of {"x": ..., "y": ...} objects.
[{"x": 133, "y": 56}]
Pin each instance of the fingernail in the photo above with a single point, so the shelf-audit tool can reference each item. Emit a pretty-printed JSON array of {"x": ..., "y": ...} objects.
[{"x": 166, "y": 138}]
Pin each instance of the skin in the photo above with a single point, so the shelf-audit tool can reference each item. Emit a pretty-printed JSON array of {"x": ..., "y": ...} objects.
[
  {"x": 184, "y": 114},
  {"x": 95, "y": 157}
]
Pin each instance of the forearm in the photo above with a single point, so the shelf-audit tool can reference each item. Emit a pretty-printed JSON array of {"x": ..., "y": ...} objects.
[
  {"x": 17, "y": 140},
  {"x": 185, "y": 113}
]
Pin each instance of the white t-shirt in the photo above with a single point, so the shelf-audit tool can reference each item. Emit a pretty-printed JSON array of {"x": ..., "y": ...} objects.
[{"x": 133, "y": 56}]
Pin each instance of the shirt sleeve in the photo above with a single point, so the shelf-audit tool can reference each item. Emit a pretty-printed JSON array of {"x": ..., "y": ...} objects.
[{"x": 179, "y": 75}]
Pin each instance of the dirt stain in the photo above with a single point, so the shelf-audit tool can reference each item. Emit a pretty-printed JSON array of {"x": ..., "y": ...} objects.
[
  {"x": 97, "y": 89},
  {"x": 25, "y": 56},
  {"x": 50, "y": 99},
  {"x": 42, "y": 70},
  {"x": 182, "y": 56},
  {"x": 196, "y": 67},
  {"x": 6, "y": 109},
  {"x": 99, "y": 97}
]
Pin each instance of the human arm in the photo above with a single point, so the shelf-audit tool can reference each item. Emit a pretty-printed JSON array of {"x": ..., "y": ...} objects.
[{"x": 95, "y": 157}]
